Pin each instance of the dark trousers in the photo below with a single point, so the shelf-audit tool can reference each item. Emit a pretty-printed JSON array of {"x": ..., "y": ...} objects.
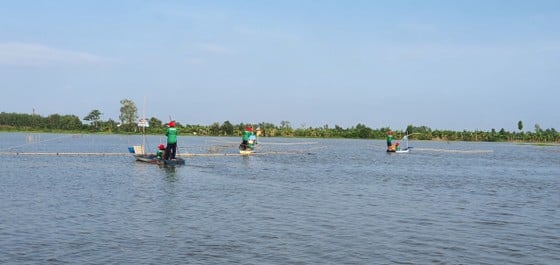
[
  {"x": 243, "y": 145},
  {"x": 170, "y": 151}
]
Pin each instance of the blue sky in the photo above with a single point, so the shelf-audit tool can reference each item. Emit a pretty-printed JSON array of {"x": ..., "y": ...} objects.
[{"x": 443, "y": 64}]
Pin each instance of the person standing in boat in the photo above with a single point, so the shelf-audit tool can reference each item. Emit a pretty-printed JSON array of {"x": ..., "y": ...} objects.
[
  {"x": 171, "y": 134},
  {"x": 389, "y": 140},
  {"x": 245, "y": 139}
]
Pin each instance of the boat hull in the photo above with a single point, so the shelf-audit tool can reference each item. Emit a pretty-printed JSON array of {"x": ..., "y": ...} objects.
[
  {"x": 152, "y": 159},
  {"x": 173, "y": 162},
  {"x": 245, "y": 152},
  {"x": 398, "y": 151}
]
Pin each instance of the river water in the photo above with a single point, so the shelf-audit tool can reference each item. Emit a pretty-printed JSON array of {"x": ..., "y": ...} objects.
[{"x": 316, "y": 202}]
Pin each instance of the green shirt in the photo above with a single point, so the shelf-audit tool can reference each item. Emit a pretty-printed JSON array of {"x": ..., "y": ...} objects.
[
  {"x": 246, "y": 135},
  {"x": 171, "y": 134},
  {"x": 389, "y": 139}
]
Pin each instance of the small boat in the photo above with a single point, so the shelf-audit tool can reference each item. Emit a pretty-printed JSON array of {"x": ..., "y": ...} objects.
[
  {"x": 139, "y": 151},
  {"x": 140, "y": 156},
  {"x": 403, "y": 151},
  {"x": 399, "y": 150},
  {"x": 245, "y": 152},
  {"x": 247, "y": 148},
  {"x": 173, "y": 162}
]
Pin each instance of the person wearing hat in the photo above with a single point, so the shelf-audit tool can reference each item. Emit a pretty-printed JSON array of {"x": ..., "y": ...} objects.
[
  {"x": 245, "y": 139},
  {"x": 159, "y": 153},
  {"x": 252, "y": 140},
  {"x": 171, "y": 134},
  {"x": 389, "y": 140}
]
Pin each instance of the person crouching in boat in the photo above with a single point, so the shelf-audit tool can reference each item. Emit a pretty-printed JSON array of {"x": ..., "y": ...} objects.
[
  {"x": 245, "y": 139},
  {"x": 171, "y": 134},
  {"x": 398, "y": 146},
  {"x": 159, "y": 153},
  {"x": 252, "y": 140}
]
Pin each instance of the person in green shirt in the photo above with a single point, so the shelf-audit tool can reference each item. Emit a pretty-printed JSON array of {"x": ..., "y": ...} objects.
[
  {"x": 389, "y": 140},
  {"x": 159, "y": 153},
  {"x": 171, "y": 134},
  {"x": 252, "y": 141},
  {"x": 245, "y": 139}
]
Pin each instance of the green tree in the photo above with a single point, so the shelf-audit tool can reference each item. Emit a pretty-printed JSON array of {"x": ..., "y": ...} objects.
[
  {"x": 285, "y": 125},
  {"x": 155, "y": 125},
  {"x": 71, "y": 122},
  {"x": 538, "y": 132},
  {"x": 286, "y": 129},
  {"x": 94, "y": 116},
  {"x": 53, "y": 121},
  {"x": 409, "y": 129},
  {"x": 538, "y": 128},
  {"x": 362, "y": 131},
  {"x": 109, "y": 125},
  {"x": 520, "y": 127},
  {"x": 215, "y": 129},
  {"x": 129, "y": 114},
  {"x": 227, "y": 128}
]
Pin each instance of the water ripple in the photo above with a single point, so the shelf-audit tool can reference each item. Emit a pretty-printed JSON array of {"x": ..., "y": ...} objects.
[{"x": 348, "y": 203}]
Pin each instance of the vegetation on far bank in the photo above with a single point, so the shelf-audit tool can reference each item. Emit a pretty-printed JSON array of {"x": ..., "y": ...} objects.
[{"x": 129, "y": 125}]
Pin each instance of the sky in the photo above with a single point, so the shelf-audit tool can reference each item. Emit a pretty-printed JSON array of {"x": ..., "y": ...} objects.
[{"x": 449, "y": 65}]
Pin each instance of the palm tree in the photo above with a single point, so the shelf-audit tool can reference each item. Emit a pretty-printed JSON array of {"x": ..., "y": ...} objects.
[
  {"x": 520, "y": 127},
  {"x": 94, "y": 116}
]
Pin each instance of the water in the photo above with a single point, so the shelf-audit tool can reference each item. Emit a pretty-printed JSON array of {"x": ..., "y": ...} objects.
[{"x": 326, "y": 202}]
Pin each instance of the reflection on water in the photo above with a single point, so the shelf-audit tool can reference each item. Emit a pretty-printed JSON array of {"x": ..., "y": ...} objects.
[
  {"x": 170, "y": 172},
  {"x": 348, "y": 202}
]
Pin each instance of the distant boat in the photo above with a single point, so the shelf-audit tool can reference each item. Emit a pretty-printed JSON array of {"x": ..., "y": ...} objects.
[
  {"x": 404, "y": 148},
  {"x": 247, "y": 149}
]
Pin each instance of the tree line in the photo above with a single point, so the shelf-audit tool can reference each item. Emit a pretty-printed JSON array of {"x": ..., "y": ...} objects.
[{"x": 129, "y": 124}]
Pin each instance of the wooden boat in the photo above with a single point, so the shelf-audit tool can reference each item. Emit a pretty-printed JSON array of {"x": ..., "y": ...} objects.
[
  {"x": 245, "y": 152},
  {"x": 154, "y": 160},
  {"x": 140, "y": 156},
  {"x": 247, "y": 149},
  {"x": 139, "y": 151},
  {"x": 172, "y": 162}
]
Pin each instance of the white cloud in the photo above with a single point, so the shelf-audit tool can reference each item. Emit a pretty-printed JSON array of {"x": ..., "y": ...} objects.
[{"x": 30, "y": 54}]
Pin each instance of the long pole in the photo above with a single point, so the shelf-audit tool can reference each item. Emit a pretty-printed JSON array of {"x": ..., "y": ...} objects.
[{"x": 144, "y": 126}]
